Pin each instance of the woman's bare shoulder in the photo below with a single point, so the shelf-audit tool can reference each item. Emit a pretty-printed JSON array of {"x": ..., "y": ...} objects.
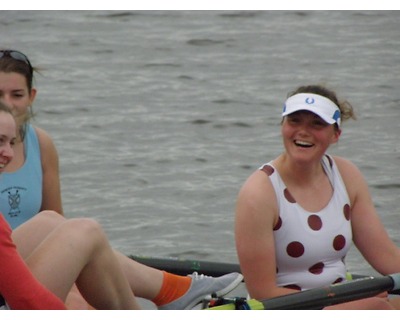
[{"x": 47, "y": 146}]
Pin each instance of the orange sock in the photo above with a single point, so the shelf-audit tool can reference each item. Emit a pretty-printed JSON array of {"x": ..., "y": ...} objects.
[{"x": 173, "y": 287}]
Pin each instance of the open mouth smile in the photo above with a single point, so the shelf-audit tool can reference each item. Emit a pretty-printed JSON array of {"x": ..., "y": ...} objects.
[{"x": 303, "y": 144}]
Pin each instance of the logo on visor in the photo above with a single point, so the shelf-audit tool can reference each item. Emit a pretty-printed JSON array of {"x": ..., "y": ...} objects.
[
  {"x": 336, "y": 116},
  {"x": 310, "y": 100}
]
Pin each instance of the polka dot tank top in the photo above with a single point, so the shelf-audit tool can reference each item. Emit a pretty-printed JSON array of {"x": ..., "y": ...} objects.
[{"x": 311, "y": 246}]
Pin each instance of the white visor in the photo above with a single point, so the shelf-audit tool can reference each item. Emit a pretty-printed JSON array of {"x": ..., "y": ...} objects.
[{"x": 321, "y": 106}]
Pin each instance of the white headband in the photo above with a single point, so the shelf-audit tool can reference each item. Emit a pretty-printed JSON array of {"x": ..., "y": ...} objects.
[{"x": 321, "y": 106}]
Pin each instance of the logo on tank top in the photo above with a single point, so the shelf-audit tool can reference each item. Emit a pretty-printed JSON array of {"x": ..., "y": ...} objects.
[{"x": 14, "y": 200}]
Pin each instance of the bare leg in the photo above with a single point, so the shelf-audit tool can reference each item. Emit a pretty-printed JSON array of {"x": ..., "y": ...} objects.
[
  {"x": 395, "y": 302},
  {"x": 145, "y": 282},
  {"x": 78, "y": 250},
  {"x": 31, "y": 233},
  {"x": 141, "y": 280},
  {"x": 374, "y": 303},
  {"x": 75, "y": 301}
]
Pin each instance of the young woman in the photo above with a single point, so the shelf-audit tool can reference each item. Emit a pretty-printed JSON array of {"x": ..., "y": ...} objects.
[
  {"x": 31, "y": 181},
  {"x": 297, "y": 215}
]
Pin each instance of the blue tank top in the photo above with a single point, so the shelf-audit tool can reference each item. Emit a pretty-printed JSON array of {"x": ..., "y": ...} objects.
[
  {"x": 21, "y": 191},
  {"x": 311, "y": 246}
]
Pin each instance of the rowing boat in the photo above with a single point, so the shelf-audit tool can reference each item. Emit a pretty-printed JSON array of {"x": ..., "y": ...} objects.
[{"x": 357, "y": 288}]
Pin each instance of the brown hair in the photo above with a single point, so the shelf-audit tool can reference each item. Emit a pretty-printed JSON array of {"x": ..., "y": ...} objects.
[
  {"x": 8, "y": 64},
  {"x": 346, "y": 109}
]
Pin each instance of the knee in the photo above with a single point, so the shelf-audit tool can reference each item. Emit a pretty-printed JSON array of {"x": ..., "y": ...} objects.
[
  {"x": 46, "y": 220},
  {"x": 86, "y": 225},
  {"x": 87, "y": 229},
  {"x": 49, "y": 215}
]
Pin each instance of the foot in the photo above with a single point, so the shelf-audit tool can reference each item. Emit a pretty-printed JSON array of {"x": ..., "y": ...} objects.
[{"x": 203, "y": 286}]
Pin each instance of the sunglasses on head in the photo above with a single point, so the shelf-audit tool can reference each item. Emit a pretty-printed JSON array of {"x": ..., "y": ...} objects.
[{"x": 16, "y": 55}]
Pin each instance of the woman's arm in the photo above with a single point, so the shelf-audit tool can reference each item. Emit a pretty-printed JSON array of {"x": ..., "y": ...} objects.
[
  {"x": 51, "y": 197},
  {"x": 369, "y": 234},
  {"x": 256, "y": 216}
]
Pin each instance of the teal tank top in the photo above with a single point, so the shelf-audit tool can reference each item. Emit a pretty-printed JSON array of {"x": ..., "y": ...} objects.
[{"x": 21, "y": 191}]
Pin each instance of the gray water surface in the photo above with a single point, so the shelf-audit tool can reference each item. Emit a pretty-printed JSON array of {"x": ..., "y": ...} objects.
[{"x": 160, "y": 116}]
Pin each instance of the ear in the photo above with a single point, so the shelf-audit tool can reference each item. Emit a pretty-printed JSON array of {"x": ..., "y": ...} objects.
[
  {"x": 336, "y": 135},
  {"x": 32, "y": 95}
]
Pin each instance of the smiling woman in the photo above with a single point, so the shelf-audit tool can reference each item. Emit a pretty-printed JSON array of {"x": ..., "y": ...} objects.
[
  {"x": 305, "y": 207},
  {"x": 8, "y": 132},
  {"x": 13, "y": 269},
  {"x": 35, "y": 155},
  {"x": 324, "y": 108}
]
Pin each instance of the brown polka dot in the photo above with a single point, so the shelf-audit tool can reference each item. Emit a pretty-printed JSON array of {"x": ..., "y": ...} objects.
[
  {"x": 278, "y": 224},
  {"x": 317, "y": 268},
  {"x": 339, "y": 242},
  {"x": 295, "y": 249},
  {"x": 268, "y": 169},
  {"x": 288, "y": 196},
  {"x": 338, "y": 280},
  {"x": 314, "y": 222},
  {"x": 293, "y": 286},
  {"x": 346, "y": 212}
]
